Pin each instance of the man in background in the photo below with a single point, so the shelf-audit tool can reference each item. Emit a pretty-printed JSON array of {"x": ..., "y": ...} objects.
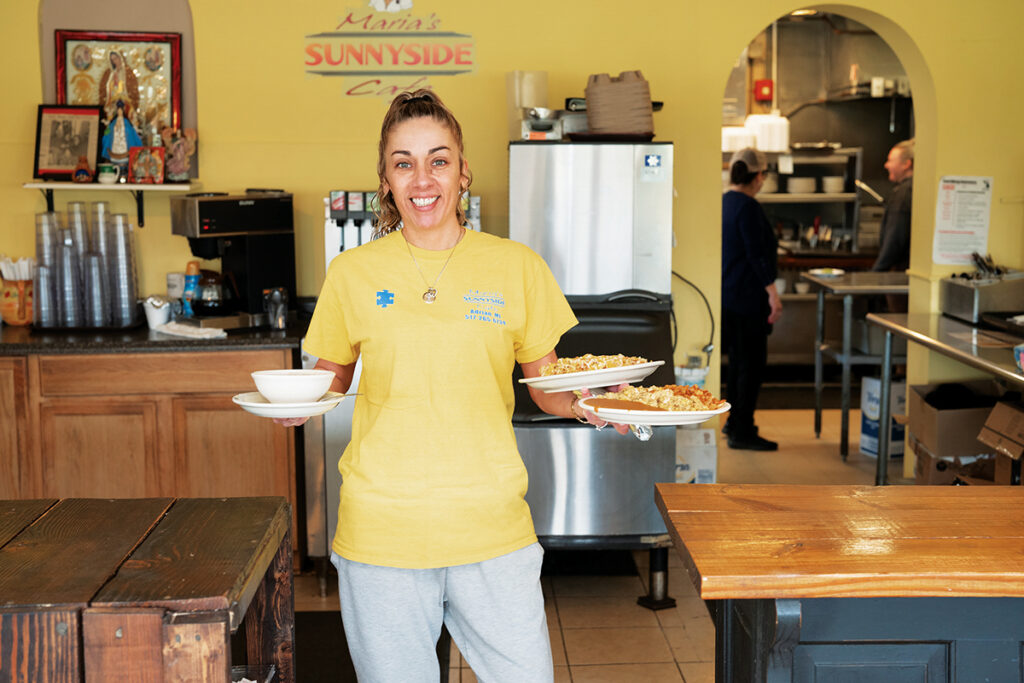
[{"x": 894, "y": 236}]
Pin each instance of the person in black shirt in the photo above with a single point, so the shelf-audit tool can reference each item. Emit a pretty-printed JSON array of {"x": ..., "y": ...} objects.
[
  {"x": 750, "y": 301},
  {"x": 894, "y": 235}
]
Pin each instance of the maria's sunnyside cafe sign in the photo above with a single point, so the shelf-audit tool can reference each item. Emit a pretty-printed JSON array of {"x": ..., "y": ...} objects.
[{"x": 385, "y": 48}]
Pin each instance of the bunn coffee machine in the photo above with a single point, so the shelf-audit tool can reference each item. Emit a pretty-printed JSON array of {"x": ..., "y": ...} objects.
[{"x": 253, "y": 234}]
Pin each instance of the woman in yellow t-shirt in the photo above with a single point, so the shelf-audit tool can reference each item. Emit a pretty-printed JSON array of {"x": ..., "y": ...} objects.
[{"x": 433, "y": 525}]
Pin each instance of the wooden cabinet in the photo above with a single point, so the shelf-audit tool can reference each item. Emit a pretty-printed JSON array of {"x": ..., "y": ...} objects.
[
  {"x": 134, "y": 425},
  {"x": 14, "y": 440}
]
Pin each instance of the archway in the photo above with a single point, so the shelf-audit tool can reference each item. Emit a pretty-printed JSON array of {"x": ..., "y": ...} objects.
[{"x": 840, "y": 24}]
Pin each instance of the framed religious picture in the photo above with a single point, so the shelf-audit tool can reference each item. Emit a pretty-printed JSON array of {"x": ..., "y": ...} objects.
[
  {"x": 65, "y": 135},
  {"x": 130, "y": 75},
  {"x": 146, "y": 165}
]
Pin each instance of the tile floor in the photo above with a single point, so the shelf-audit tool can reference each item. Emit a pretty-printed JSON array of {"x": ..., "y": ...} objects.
[{"x": 600, "y": 634}]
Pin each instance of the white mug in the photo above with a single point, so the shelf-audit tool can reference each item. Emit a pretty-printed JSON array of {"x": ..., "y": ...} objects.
[{"x": 108, "y": 174}]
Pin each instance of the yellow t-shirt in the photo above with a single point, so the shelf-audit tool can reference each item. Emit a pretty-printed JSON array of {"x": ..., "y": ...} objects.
[{"x": 432, "y": 476}]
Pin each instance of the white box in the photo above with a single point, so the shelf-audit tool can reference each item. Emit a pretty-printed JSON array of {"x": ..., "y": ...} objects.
[
  {"x": 696, "y": 455},
  {"x": 870, "y": 408}
]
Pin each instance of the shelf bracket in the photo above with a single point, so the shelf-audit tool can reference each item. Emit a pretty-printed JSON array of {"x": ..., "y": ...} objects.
[
  {"x": 48, "y": 194},
  {"x": 140, "y": 206}
]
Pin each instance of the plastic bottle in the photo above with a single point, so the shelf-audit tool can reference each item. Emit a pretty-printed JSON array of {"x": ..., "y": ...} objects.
[{"x": 191, "y": 287}]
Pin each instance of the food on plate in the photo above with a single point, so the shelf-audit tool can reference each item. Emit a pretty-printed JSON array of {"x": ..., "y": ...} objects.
[
  {"x": 672, "y": 397},
  {"x": 618, "y": 404},
  {"x": 588, "y": 361}
]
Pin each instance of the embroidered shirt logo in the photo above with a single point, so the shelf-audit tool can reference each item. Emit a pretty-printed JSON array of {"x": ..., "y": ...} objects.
[{"x": 385, "y": 298}]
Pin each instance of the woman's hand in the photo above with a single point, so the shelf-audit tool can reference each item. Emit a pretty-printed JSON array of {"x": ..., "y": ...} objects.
[
  {"x": 290, "y": 421},
  {"x": 774, "y": 303},
  {"x": 597, "y": 422}
]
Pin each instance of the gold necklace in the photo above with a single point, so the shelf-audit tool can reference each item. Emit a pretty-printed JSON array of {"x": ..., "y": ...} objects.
[{"x": 431, "y": 294}]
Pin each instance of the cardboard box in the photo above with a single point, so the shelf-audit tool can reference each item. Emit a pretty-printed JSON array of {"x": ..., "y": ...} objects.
[
  {"x": 951, "y": 432},
  {"x": 870, "y": 407},
  {"x": 696, "y": 456},
  {"x": 620, "y": 104},
  {"x": 932, "y": 470},
  {"x": 1003, "y": 430}
]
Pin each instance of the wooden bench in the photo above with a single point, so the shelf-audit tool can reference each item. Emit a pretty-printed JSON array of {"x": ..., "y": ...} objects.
[{"x": 144, "y": 590}]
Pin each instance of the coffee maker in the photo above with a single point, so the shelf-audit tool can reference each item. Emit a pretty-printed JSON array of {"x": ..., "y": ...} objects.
[{"x": 253, "y": 234}]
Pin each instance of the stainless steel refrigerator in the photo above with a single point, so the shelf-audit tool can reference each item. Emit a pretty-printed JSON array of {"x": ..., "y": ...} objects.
[{"x": 600, "y": 214}]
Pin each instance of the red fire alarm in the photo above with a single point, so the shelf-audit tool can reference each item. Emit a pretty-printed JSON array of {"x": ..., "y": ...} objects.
[{"x": 763, "y": 90}]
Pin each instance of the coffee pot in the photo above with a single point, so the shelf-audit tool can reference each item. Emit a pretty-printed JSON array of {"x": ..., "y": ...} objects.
[{"x": 212, "y": 297}]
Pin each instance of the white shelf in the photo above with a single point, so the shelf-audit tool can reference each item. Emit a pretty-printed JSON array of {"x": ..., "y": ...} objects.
[
  {"x": 150, "y": 187},
  {"x": 136, "y": 189},
  {"x": 805, "y": 197}
]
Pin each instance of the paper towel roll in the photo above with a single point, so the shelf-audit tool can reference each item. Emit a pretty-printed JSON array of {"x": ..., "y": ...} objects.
[{"x": 524, "y": 89}]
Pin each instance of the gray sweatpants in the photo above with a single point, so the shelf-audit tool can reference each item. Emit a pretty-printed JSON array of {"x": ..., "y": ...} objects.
[{"x": 494, "y": 611}]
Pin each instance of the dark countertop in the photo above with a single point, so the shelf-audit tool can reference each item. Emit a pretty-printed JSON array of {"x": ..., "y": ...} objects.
[{"x": 20, "y": 341}]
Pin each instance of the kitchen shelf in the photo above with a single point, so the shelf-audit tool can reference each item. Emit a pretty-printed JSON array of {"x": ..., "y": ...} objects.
[
  {"x": 136, "y": 190},
  {"x": 806, "y": 197}
]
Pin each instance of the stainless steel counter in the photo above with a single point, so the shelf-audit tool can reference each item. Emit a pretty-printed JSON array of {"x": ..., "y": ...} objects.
[
  {"x": 952, "y": 338},
  {"x": 958, "y": 340},
  {"x": 865, "y": 282},
  {"x": 848, "y": 286}
]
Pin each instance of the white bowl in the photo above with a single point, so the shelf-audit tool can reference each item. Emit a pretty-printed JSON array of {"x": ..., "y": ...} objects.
[
  {"x": 833, "y": 184},
  {"x": 801, "y": 185},
  {"x": 293, "y": 386}
]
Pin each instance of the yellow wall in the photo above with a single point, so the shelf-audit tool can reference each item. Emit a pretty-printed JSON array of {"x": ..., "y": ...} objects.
[{"x": 263, "y": 122}]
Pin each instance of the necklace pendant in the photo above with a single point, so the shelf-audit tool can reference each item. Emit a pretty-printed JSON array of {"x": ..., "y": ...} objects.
[{"x": 430, "y": 295}]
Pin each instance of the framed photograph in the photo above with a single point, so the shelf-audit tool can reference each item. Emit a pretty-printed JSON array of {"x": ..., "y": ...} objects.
[
  {"x": 64, "y": 135},
  {"x": 141, "y": 71},
  {"x": 146, "y": 165}
]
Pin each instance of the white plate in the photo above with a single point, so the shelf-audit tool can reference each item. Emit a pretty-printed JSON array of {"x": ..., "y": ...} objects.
[
  {"x": 653, "y": 417},
  {"x": 588, "y": 379},
  {"x": 257, "y": 404},
  {"x": 827, "y": 272}
]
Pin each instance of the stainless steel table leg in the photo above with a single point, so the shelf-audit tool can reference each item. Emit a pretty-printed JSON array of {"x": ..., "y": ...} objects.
[
  {"x": 844, "y": 431},
  {"x": 819, "y": 339},
  {"x": 884, "y": 417},
  {"x": 657, "y": 593}
]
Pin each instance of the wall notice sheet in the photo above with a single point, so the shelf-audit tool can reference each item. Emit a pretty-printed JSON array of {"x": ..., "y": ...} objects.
[{"x": 961, "y": 219}]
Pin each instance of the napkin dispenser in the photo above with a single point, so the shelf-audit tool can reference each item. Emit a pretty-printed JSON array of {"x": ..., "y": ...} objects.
[{"x": 967, "y": 298}]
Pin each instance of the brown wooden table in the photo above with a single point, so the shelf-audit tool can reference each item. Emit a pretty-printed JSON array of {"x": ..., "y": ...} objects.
[
  {"x": 144, "y": 590},
  {"x": 856, "y": 583}
]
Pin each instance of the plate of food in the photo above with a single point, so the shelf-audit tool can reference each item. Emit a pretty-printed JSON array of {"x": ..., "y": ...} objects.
[
  {"x": 589, "y": 371},
  {"x": 827, "y": 272},
  {"x": 671, "y": 404},
  {"x": 257, "y": 404}
]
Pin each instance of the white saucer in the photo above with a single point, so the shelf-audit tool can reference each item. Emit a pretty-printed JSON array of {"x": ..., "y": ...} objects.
[
  {"x": 588, "y": 379},
  {"x": 652, "y": 417},
  {"x": 257, "y": 404},
  {"x": 827, "y": 272}
]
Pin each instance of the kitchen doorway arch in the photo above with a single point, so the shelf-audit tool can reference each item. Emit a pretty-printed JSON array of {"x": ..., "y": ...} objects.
[{"x": 916, "y": 118}]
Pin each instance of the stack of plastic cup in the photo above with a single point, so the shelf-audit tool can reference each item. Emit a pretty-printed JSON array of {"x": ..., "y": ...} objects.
[
  {"x": 46, "y": 238},
  {"x": 79, "y": 227},
  {"x": 45, "y": 311},
  {"x": 68, "y": 289},
  {"x": 123, "y": 288},
  {"x": 96, "y": 305}
]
